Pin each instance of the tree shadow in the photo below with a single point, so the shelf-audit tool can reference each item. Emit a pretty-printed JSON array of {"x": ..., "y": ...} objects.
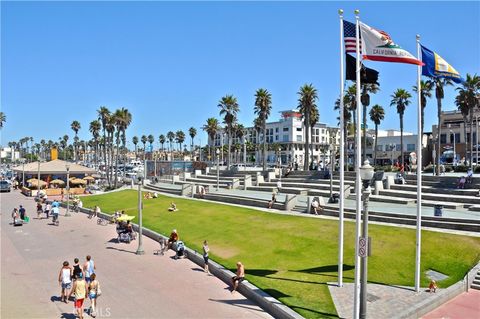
[
  {"x": 242, "y": 303},
  {"x": 275, "y": 293},
  {"x": 328, "y": 268},
  {"x": 259, "y": 272},
  {"x": 322, "y": 314}
]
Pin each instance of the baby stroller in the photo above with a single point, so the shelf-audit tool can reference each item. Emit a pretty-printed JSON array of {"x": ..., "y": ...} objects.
[
  {"x": 181, "y": 253},
  {"x": 123, "y": 235}
]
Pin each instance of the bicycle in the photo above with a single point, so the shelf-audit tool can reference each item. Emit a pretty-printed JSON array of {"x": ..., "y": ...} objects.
[{"x": 102, "y": 221}]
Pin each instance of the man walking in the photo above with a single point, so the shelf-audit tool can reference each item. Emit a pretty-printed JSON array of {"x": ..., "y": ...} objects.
[
  {"x": 22, "y": 212},
  {"x": 80, "y": 290},
  {"x": 89, "y": 268}
]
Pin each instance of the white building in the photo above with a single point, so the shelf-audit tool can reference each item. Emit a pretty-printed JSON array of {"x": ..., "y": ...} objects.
[
  {"x": 288, "y": 134},
  {"x": 9, "y": 153}
]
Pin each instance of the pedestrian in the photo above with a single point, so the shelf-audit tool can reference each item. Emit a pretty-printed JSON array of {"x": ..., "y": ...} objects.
[
  {"x": 274, "y": 199},
  {"x": 79, "y": 288},
  {"x": 14, "y": 215},
  {"x": 432, "y": 286},
  {"x": 39, "y": 210},
  {"x": 206, "y": 249},
  {"x": 47, "y": 209},
  {"x": 22, "y": 212},
  {"x": 239, "y": 277},
  {"x": 77, "y": 269},
  {"x": 89, "y": 268},
  {"x": 55, "y": 213},
  {"x": 93, "y": 293},
  {"x": 65, "y": 281}
]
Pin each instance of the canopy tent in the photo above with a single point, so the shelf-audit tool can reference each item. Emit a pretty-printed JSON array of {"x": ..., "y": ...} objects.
[{"x": 55, "y": 167}]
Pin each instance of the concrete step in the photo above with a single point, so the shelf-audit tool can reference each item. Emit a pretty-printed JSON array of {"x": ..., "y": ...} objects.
[
  {"x": 475, "y": 208},
  {"x": 284, "y": 190},
  {"x": 434, "y": 190},
  {"x": 468, "y": 200},
  {"x": 240, "y": 200},
  {"x": 475, "y": 286},
  {"x": 304, "y": 186},
  {"x": 389, "y": 199},
  {"x": 449, "y": 205}
]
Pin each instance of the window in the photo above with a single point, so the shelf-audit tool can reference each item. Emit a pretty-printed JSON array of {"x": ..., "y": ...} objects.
[
  {"x": 299, "y": 129},
  {"x": 410, "y": 147},
  {"x": 443, "y": 138},
  {"x": 276, "y": 137},
  {"x": 285, "y": 138},
  {"x": 299, "y": 138},
  {"x": 276, "y": 130},
  {"x": 380, "y": 148},
  {"x": 457, "y": 137},
  {"x": 285, "y": 129},
  {"x": 398, "y": 147}
]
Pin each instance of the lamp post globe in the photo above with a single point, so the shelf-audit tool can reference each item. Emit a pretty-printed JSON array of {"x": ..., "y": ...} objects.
[
  {"x": 140, "y": 251},
  {"x": 67, "y": 167}
]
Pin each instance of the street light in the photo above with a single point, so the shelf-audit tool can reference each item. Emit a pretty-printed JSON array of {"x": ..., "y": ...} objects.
[
  {"x": 38, "y": 188},
  {"x": 140, "y": 250},
  {"x": 366, "y": 174},
  {"x": 67, "y": 166},
  {"x": 454, "y": 149},
  {"x": 23, "y": 172},
  {"x": 392, "y": 147},
  {"x": 218, "y": 167}
]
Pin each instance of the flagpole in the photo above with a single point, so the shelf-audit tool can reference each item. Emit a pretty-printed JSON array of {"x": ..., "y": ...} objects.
[
  {"x": 419, "y": 172},
  {"x": 358, "y": 157},
  {"x": 342, "y": 160}
]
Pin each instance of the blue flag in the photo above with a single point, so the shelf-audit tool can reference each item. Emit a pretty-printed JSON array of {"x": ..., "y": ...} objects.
[{"x": 436, "y": 66}]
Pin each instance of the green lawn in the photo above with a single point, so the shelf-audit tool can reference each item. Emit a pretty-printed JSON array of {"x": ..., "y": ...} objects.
[{"x": 292, "y": 257}]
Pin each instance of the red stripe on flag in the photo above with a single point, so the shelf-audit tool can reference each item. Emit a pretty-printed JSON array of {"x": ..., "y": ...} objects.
[{"x": 392, "y": 59}]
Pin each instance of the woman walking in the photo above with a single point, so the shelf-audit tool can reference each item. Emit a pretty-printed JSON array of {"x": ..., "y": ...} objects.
[
  {"x": 93, "y": 293},
  {"x": 206, "y": 249},
  {"x": 65, "y": 281}
]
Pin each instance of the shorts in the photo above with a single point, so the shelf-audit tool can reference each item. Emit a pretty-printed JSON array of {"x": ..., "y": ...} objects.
[
  {"x": 79, "y": 303},
  {"x": 67, "y": 285},
  {"x": 239, "y": 279},
  {"x": 205, "y": 258},
  {"x": 92, "y": 295},
  {"x": 87, "y": 279}
]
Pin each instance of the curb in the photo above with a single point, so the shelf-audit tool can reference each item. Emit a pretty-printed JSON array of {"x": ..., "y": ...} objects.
[{"x": 268, "y": 303}]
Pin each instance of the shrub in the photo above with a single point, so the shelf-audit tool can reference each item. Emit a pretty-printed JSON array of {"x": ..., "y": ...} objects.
[
  {"x": 199, "y": 165},
  {"x": 428, "y": 169},
  {"x": 461, "y": 168}
]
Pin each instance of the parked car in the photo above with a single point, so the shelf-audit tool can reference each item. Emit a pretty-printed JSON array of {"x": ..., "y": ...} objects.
[{"x": 5, "y": 186}]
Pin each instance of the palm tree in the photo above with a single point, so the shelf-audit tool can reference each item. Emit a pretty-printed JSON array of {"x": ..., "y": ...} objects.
[
  {"x": 180, "y": 138},
  {"x": 192, "y": 132},
  {"x": 171, "y": 137},
  {"x": 144, "y": 140},
  {"x": 3, "y": 118},
  {"x": 258, "y": 127},
  {"x": 263, "y": 106},
  {"x": 440, "y": 83},
  {"x": 377, "y": 114},
  {"x": 122, "y": 119},
  {"x": 400, "y": 98},
  {"x": 103, "y": 116},
  {"x": 470, "y": 91},
  {"x": 95, "y": 127},
  {"x": 462, "y": 106},
  {"x": 239, "y": 133},
  {"x": 211, "y": 128},
  {"x": 365, "y": 100},
  {"x": 151, "y": 139},
  {"x": 306, "y": 103},
  {"x": 75, "y": 127},
  {"x": 135, "y": 142},
  {"x": 426, "y": 88},
  {"x": 229, "y": 108},
  {"x": 347, "y": 119},
  {"x": 162, "y": 141}
]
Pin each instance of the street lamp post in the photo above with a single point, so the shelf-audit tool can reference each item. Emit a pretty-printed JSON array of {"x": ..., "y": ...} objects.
[
  {"x": 23, "y": 172},
  {"x": 218, "y": 167},
  {"x": 392, "y": 148},
  {"x": 280, "y": 165},
  {"x": 454, "y": 149},
  {"x": 366, "y": 174},
  {"x": 38, "y": 185},
  {"x": 476, "y": 142},
  {"x": 67, "y": 166},
  {"x": 332, "y": 133},
  {"x": 140, "y": 177}
]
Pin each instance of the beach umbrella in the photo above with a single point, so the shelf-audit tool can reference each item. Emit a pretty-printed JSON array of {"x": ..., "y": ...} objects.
[
  {"x": 89, "y": 178},
  {"x": 125, "y": 217},
  {"x": 35, "y": 183},
  {"x": 57, "y": 181},
  {"x": 78, "y": 181}
]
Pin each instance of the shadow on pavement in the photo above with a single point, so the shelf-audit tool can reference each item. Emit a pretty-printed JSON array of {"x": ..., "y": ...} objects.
[
  {"x": 242, "y": 303},
  {"x": 198, "y": 269},
  {"x": 122, "y": 250},
  {"x": 68, "y": 316},
  {"x": 55, "y": 298}
]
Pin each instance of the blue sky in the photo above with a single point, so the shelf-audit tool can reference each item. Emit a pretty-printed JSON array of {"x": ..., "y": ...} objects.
[{"x": 169, "y": 63}]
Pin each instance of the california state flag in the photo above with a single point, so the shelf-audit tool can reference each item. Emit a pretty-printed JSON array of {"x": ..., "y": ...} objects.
[{"x": 378, "y": 46}]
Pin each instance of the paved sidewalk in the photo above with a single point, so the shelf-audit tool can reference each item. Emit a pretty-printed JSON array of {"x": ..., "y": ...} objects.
[
  {"x": 147, "y": 286},
  {"x": 464, "y": 306}
]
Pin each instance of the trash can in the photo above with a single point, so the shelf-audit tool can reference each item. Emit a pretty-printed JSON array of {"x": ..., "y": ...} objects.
[
  {"x": 438, "y": 210},
  {"x": 334, "y": 198}
]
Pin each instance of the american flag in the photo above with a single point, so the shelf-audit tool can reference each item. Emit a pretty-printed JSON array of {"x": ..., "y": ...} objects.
[{"x": 349, "y": 37}]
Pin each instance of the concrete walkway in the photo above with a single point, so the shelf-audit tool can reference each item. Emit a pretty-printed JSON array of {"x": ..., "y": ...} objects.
[
  {"x": 464, "y": 306},
  {"x": 147, "y": 286}
]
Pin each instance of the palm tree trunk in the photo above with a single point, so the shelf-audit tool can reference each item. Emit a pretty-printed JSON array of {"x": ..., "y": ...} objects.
[
  {"x": 264, "y": 145},
  {"x": 471, "y": 138},
  {"x": 345, "y": 146},
  {"x": 307, "y": 144},
  {"x": 439, "y": 129},
  {"x": 401, "y": 141},
  {"x": 465, "y": 125},
  {"x": 229, "y": 147},
  {"x": 375, "y": 150},
  {"x": 105, "y": 154},
  {"x": 116, "y": 163}
]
